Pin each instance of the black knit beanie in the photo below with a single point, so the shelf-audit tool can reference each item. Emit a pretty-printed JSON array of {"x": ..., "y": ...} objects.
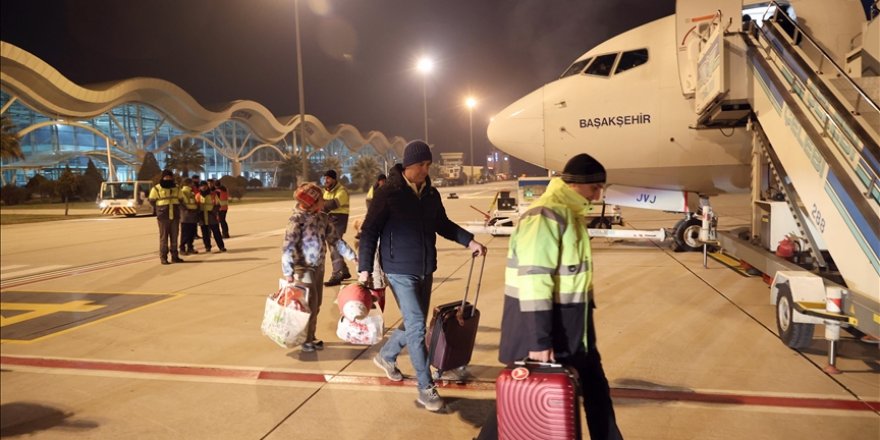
[
  {"x": 331, "y": 174},
  {"x": 415, "y": 152},
  {"x": 583, "y": 169}
]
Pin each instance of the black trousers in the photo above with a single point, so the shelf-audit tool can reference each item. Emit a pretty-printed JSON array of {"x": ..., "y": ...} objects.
[
  {"x": 594, "y": 385},
  {"x": 224, "y": 227},
  {"x": 187, "y": 236},
  {"x": 207, "y": 231}
]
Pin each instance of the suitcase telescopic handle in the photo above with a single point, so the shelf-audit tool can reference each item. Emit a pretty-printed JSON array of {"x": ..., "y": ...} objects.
[
  {"x": 527, "y": 361},
  {"x": 479, "y": 282}
]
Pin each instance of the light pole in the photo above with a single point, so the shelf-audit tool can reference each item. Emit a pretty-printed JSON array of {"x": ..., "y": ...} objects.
[
  {"x": 302, "y": 96},
  {"x": 109, "y": 159},
  {"x": 425, "y": 65},
  {"x": 471, "y": 102}
]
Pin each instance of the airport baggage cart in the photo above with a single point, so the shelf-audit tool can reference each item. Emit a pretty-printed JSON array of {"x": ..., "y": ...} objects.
[
  {"x": 538, "y": 400},
  {"x": 453, "y": 329}
]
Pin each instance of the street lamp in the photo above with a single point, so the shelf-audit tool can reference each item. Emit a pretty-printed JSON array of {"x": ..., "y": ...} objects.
[
  {"x": 471, "y": 102},
  {"x": 302, "y": 96},
  {"x": 425, "y": 65}
]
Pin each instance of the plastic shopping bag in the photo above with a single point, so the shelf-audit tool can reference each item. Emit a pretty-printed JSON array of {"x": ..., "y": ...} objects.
[
  {"x": 286, "y": 315},
  {"x": 366, "y": 331}
]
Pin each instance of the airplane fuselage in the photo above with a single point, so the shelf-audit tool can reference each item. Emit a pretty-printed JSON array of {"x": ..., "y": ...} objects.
[{"x": 634, "y": 120}]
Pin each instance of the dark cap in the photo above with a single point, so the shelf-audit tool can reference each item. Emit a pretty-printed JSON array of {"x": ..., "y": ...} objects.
[
  {"x": 331, "y": 174},
  {"x": 382, "y": 177},
  {"x": 415, "y": 152},
  {"x": 167, "y": 173},
  {"x": 583, "y": 168}
]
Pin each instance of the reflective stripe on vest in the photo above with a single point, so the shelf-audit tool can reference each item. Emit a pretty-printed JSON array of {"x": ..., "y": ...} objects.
[
  {"x": 189, "y": 199},
  {"x": 206, "y": 205},
  {"x": 165, "y": 197}
]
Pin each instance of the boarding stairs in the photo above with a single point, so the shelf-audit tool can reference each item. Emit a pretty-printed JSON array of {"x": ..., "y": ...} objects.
[{"x": 818, "y": 131}]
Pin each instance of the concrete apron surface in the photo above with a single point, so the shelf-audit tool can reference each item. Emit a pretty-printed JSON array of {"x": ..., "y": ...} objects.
[{"x": 691, "y": 352}]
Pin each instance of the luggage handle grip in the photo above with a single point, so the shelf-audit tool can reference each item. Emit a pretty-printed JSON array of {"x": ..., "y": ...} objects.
[
  {"x": 527, "y": 361},
  {"x": 468, "y": 286}
]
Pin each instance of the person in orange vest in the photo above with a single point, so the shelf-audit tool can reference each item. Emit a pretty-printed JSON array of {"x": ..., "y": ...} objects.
[
  {"x": 165, "y": 197},
  {"x": 196, "y": 179},
  {"x": 209, "y": 207},
  {"x": 224, "y": 209}
]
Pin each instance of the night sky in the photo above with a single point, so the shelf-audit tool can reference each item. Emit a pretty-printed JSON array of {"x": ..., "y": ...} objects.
[{"x": 358, "y": 55}]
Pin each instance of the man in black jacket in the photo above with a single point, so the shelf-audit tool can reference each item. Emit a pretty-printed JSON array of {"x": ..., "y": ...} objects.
[{"x": 407, "y": 214}]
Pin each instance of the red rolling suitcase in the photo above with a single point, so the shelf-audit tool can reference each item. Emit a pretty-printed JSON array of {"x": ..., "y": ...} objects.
[
  {"x": 538, "y": 401},
  {"x": 453, "y": 330}
]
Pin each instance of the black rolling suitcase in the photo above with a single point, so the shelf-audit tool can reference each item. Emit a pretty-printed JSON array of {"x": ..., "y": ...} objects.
[{"x": 453, "y": 329}]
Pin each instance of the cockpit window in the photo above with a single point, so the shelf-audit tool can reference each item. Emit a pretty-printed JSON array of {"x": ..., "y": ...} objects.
[
  {"x": 631, "y": 59},
  {"x": 602, "y": 65},
  {"x": 575, "y": 68}
]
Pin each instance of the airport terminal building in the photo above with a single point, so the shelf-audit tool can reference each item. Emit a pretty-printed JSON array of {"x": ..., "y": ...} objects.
[{"x": 65, "y": 124}]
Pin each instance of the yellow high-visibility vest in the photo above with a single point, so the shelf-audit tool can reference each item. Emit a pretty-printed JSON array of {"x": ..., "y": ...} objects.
[{"x": 165, "y": 197}]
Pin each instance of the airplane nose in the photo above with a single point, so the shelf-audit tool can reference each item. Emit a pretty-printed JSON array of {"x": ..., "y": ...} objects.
[{"x": 518, "y": 130}]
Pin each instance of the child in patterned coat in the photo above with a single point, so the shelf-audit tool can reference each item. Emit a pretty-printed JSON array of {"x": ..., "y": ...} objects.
[{"x": 308, "y": 235}]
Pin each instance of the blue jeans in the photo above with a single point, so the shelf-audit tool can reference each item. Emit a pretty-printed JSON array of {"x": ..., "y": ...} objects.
[{"x": 413, "y": 295}]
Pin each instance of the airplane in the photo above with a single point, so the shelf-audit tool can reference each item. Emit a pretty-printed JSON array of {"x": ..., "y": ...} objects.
[{"x": 631, "y": 103}]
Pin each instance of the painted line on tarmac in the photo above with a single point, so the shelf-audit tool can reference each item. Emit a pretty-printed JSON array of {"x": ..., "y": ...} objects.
[
  {"x": 70, "y": 271},
  {"x": 472, "y": 385}
]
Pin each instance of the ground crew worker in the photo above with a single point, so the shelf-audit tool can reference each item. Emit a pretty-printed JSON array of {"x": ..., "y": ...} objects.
[
  {"x": 208, "y": 217},
  {"x": 189, "y": 218},
  {"x": 379, "y": 182},
  {"x": 165, "y": 197},
  {"x": 336, "y": 205},
  {"x": 548, "y": 305},
  {"x": 223, "y": 197}
]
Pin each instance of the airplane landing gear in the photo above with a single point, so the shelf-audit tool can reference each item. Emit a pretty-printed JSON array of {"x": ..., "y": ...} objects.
[
  {"x": 686, "y": 235},
  {"x": 693, "y": 231}
]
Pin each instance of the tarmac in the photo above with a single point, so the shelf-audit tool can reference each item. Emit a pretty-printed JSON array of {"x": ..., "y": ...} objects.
[{"x": 101, "y": 341}]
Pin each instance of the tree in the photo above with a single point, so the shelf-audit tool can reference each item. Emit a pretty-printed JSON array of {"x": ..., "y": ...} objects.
[
  {"x": 235, "y": 186},
  {"x": 10, "y": 143},
  {"x": 67, "y": 186},
  {"x": 40, "y": 185},
  {"x": 150, "y": 168},
  {"x": 185, "y": 156},
  {"x": 365, "y": 171},
  {"x": 289, "y": 169},
  {"x": 90, "y": 182}
]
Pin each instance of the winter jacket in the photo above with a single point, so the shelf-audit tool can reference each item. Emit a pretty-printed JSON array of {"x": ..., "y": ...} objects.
[
  {"x": 306, "y": 239},
  {"x": 209, "y": 208},
  {"x": 548, "y": 277},
  {"x": 408, "y": 225},
  {"x": 165, "y": 200},
  {"x": 189, "y": 210},
  {"x": 336, "y": 200}
]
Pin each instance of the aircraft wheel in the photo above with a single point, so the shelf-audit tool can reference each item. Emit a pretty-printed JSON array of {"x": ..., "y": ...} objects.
[
  {"x": 795, "y": 335},
  {"x": 496, "y": 220},
  {"x": 600, "y": 223},
  {"x": 687, "y": 234}
]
